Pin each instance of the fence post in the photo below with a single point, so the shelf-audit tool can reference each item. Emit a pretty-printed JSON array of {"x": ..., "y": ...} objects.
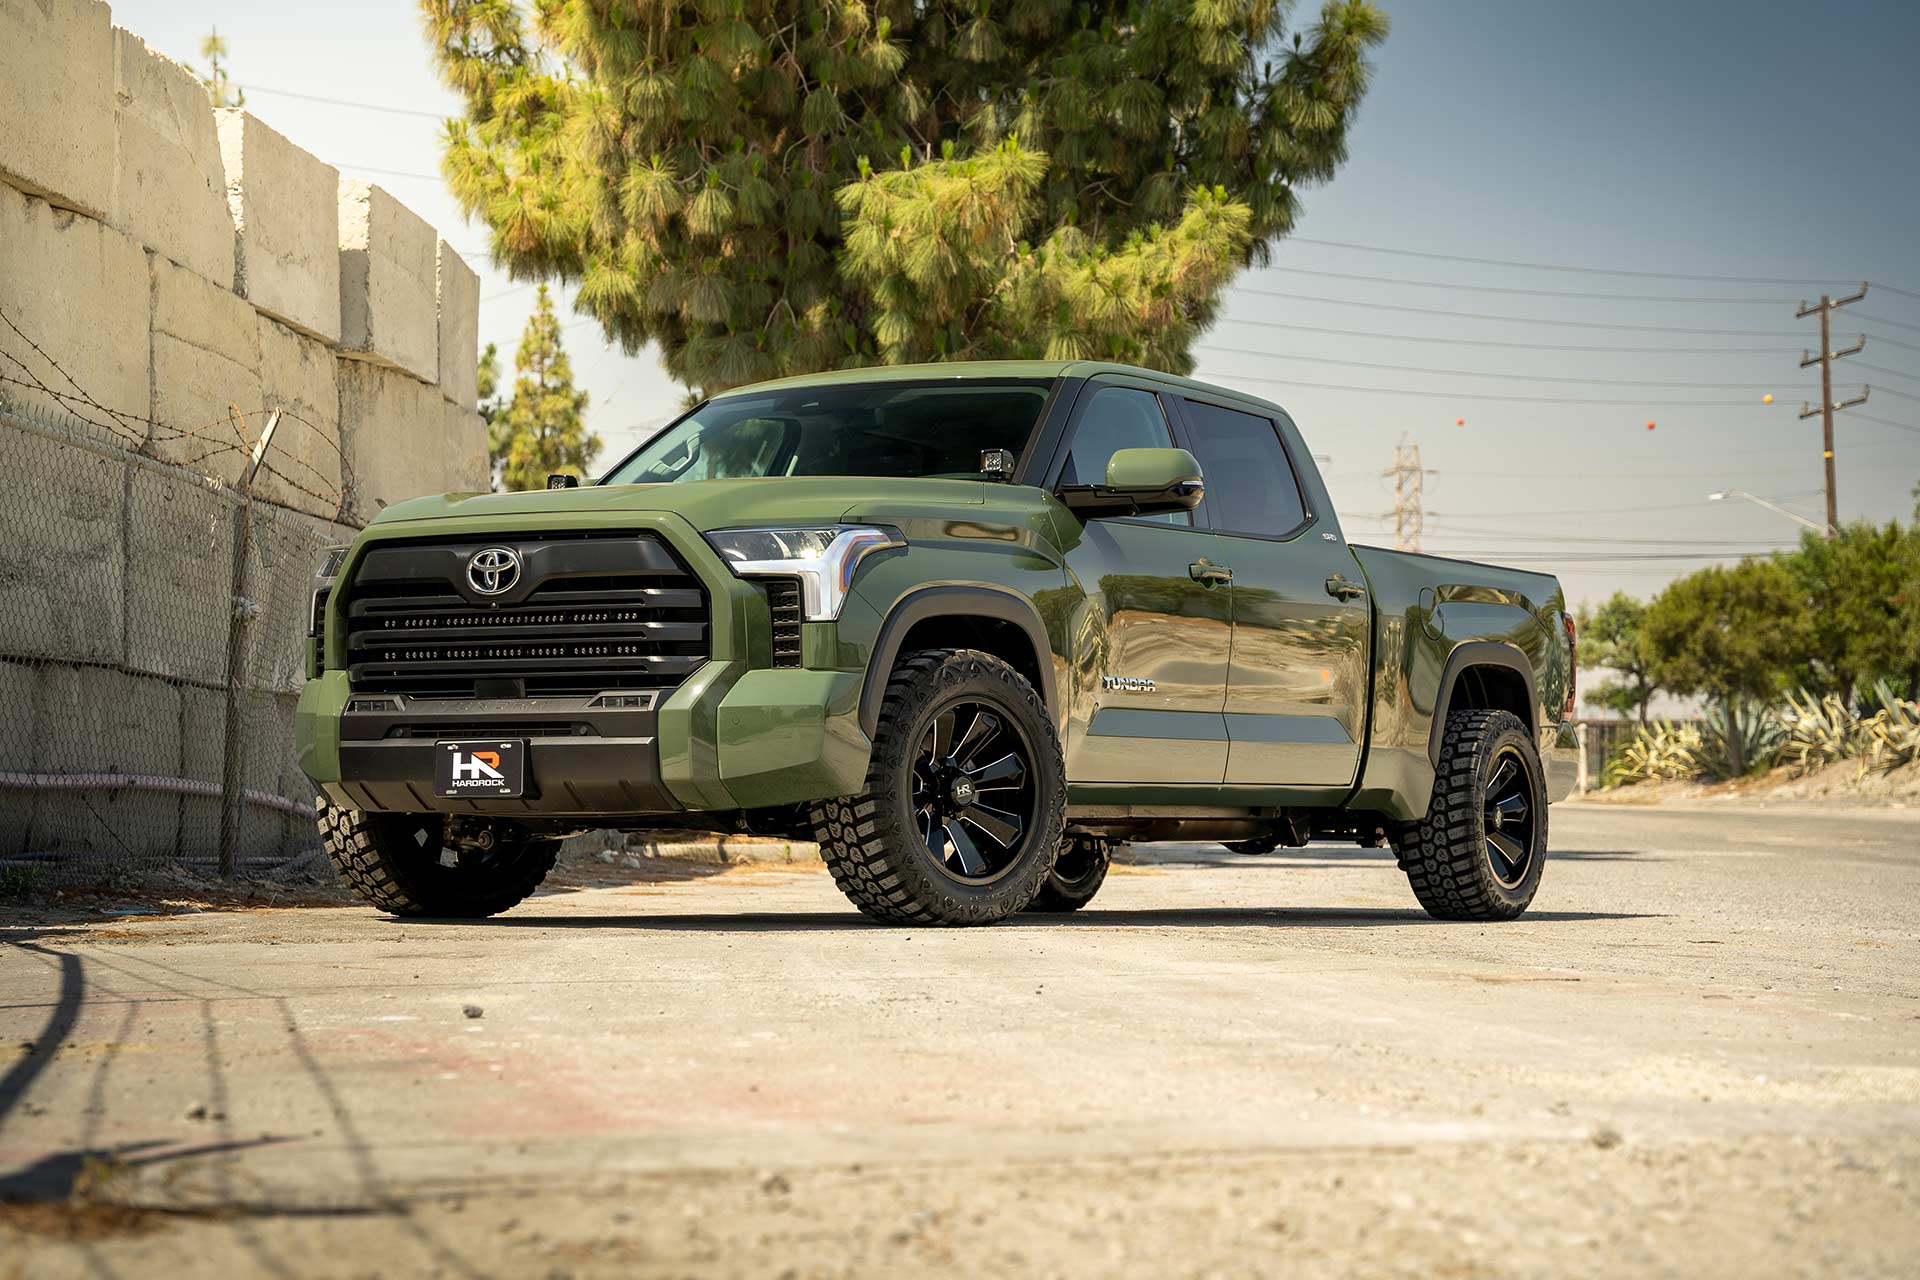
[
  {"x": 1580, "y": 778},
  {"x": 240, "y": 616}
]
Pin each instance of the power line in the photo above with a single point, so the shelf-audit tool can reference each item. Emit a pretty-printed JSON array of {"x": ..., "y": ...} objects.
[
  {"x": 1579, "y": 511},
  {"x": 1893, "y": 342},
  {"x": 1508, "y": 535},
  {"x": 1891, "y": 373},
  {"x": 1898, "y": 324},
  {"x": 1905, "y": 293},
  {"x": 1488, "y": 395},
  {"x": 1533, "y": 293},
  {"x": 1525, "y": 346},
  {"x": 1885, "y": 422},
  {"x": 1549, "y": 266},
  {"x": 390, "y": 173},
  {"x": 1895, "y": 391},
  {"x": 1476, "y": 373},
  {"x": 344, "y": 102},
  {"x": 1528, "y": 320},
  {"x": 1628, "y": 557}
]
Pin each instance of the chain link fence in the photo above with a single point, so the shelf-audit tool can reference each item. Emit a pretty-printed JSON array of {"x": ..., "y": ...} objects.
[{"x": 153, "y": 628}]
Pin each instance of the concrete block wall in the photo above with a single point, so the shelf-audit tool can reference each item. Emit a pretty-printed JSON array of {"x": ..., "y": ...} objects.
[
  {"x": 176, "y": 264},
  {"x": 169, "y": 183},
  {"x": 175, "y": 261},
  {"x": 388, "y": 311}
]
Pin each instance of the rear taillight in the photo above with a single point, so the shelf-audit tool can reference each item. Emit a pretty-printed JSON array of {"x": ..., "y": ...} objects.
[{"x": 1573, "y": 666}]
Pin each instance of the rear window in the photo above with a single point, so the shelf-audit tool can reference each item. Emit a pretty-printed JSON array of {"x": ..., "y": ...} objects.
[{"x": 1251, "y": 487}]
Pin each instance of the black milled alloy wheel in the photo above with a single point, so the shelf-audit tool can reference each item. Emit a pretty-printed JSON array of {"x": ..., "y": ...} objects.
[
  {"x": 1078, "y": 872},
  {"x": 399, "y": 862},
  {"x": 965, "y": 797},
  {"x": 1479, "y": 852}
]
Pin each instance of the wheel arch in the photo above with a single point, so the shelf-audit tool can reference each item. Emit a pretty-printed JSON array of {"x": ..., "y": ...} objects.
[
  {"x": 960, "y": 615},
  {"x": 1483, "y": 675}
]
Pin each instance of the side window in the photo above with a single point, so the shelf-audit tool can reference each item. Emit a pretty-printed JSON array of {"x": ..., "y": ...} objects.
[
  {"x": 1113, "y": 419},
  {"x": 1251, "y": 487}
]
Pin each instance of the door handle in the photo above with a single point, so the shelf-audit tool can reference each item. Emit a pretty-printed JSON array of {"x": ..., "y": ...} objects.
[
  {"x": 1344, "y": 588},
  {"x": 1209, "y": 573}
]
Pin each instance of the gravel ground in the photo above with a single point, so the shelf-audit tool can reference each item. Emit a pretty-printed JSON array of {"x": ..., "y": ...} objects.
[{"x": 1699, "y": 1054}]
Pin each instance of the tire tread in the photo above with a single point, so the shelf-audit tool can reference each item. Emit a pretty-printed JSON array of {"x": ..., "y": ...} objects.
[{"x": 864, "y": 844}]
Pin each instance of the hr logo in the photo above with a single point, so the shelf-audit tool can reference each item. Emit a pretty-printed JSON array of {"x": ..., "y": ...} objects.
[{"x": 481, "y": 766}]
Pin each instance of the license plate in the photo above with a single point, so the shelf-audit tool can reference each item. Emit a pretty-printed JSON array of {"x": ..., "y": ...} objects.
[{"x": 480, "y": 768}]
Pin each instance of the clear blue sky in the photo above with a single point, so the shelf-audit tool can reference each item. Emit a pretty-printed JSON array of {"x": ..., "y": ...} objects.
[{"x": 1713, "y": 137}]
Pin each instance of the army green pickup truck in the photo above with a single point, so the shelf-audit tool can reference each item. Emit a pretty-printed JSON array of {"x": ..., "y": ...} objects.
[{"x": 968, "y": 626}]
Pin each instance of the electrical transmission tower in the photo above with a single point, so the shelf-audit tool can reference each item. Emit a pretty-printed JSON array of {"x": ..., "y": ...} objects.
[
  {"x": 1825, "y": 309},
  {"x": 1408, "y": 478}
]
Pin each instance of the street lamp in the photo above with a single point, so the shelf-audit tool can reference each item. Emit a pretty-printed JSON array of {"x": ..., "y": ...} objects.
[{"x": 1796, "y": 517}]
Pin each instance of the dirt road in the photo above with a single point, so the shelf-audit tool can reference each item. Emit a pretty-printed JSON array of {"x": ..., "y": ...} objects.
[{"x": 1699, "y": 1054}]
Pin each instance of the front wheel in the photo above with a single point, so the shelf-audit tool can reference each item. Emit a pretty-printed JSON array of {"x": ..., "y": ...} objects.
[
  {"x": 964, "y": 801},
  {"x": 400, "y": 862},
  {"x": 1479, "y": 852}
]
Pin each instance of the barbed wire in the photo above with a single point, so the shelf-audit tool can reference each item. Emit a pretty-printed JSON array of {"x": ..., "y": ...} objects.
[{"x": 146, "y": 435}]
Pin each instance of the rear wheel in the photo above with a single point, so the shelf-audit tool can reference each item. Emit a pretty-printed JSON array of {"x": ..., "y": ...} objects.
[
  {"x": 400, "y": 862},
  {"x": 965, "y": 797},
  {"x": 1479, "y": 852},
  {"x": 1077, "y": 875}
]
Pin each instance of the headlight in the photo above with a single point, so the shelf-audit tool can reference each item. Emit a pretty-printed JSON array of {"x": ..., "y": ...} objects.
[{"x": 823, "y": 559}]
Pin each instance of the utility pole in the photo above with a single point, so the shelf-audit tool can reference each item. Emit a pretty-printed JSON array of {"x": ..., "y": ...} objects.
[
  {"x": 1827, "y": 306},
  {"x": 1408, "y": 478}
]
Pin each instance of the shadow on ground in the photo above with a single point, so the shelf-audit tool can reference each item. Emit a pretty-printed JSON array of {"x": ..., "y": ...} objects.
[{"x": 1090, "y": 918}]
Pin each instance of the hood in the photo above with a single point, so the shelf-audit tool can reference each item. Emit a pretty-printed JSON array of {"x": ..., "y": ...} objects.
[{"x": 707, "y": 504}]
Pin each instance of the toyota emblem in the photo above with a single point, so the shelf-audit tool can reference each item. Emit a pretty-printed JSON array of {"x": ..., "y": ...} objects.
[{"x": 493, "y": 571}]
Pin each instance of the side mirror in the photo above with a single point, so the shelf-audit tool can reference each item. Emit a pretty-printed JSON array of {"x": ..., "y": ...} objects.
[{"x": 1140, "y": 482}]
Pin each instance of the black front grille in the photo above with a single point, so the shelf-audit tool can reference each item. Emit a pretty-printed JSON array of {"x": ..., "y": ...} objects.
[
  {"x": 783, "y": 598},
  {"x": 585, "y": 614}
]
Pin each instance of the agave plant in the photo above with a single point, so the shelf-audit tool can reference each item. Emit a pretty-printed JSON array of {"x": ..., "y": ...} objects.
[
  {"x": 1820, "y": 731},
  {"x": 1659, "y": 750},
  {"x": 1892, "y": 736},
  {"x": 1737, "y": 740}
]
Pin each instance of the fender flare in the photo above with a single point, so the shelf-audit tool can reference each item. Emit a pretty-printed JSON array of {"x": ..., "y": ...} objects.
[
  {"x": 967, "y": 600},
  {"x": 1478, "y": 653}
]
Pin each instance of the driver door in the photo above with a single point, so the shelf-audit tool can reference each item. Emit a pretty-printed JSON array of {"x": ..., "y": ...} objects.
[{"x": 1152, "y": 642}]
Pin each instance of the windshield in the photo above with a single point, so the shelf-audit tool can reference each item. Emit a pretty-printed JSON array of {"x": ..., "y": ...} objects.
[{"x": 905, "y": 429}]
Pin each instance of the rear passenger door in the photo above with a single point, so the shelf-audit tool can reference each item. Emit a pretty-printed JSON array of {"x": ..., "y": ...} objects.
[
  {"x": 1297, "y": 681},
  {"x": 1150, "y": 645}
]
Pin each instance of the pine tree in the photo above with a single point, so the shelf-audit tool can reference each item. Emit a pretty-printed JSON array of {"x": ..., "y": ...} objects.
[
  {"x": 491, "y": 404},
  {"x": 767, "y": 189},
  {"x": 219, "y": 88},
  {"x": 541, "y": 430}
]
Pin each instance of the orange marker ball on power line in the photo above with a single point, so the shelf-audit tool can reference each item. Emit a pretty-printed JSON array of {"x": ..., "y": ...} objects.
[
  {"x": 1459, "y": 422},
  {"x": 1767, "y": 398},
  {"x": 1649, "y": 426}
]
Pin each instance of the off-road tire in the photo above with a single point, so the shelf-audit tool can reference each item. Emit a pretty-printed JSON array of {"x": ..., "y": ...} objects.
[
  {"x": 392, "y": 861},
  {"x": 1445, "y": 854},
  {"x": 1078, "y": 872},
  {"x": 869, "y": 841}
]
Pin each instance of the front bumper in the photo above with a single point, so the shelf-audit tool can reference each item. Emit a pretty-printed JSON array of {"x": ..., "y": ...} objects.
[{"x": 729, "y": 738}]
